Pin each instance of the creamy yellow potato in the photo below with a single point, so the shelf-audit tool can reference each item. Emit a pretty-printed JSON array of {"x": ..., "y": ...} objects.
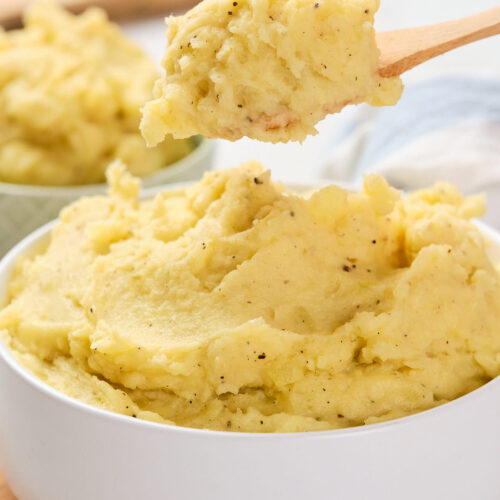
[
  {"x": 266, "y": 69},
  {"x": 71, "y": 89},
  {"x": 236, "y": 305}
]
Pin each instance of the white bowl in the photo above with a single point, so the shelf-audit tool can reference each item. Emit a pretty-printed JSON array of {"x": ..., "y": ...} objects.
[
  {"x": 23, "y": 208},
  {"x": 53, "y": 447}
]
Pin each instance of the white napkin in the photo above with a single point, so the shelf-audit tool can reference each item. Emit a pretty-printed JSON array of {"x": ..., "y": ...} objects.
[{"x": 443, "y": 129}]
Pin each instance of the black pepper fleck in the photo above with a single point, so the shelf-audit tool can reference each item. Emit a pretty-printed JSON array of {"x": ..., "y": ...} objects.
[
  {"x": 230, "y": 13},
  {"x": 257, "y": 180},
  {"x": 346, "y": 268},
  {"x": 262, "y": 356},
  {"x": 316, "y": 5}
]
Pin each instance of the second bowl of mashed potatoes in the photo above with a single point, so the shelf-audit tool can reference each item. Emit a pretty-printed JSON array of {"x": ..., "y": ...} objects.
[{"x": 71, "y": 90}]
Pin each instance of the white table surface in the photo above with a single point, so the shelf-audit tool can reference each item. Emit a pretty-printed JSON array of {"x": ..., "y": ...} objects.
[{"x": 296, "y": 162}]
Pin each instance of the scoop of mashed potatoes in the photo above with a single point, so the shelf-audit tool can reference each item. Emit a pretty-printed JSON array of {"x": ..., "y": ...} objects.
[
  {"x": 71, "y": 89},
  {"x": 236, "y": 305},
  {"x": 266, "y": 69}
]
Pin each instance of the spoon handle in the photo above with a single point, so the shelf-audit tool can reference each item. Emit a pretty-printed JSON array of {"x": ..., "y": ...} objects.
[{"x": 402, "y": 50}]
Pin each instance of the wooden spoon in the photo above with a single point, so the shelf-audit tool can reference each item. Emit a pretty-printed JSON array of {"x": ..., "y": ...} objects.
[{"x": 404, "y": 49}]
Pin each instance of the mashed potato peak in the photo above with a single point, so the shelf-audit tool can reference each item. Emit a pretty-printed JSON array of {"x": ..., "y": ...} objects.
[
  {"x": 236, "y": 305},
  {"x": 71, "y": 89},
  {"x": 266, "y": 69}
]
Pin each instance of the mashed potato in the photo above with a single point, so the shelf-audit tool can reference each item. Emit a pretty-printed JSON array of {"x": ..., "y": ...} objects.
[
  {"x": 235, "y": 305},
  {"x": 71, "y": 88},
  {"x": 266, "y": 69}
]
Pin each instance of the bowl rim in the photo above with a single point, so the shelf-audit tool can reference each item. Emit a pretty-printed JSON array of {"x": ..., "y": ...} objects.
[
  {"x": 203, "y": 148},
  {"x": 29, "y": 243}
]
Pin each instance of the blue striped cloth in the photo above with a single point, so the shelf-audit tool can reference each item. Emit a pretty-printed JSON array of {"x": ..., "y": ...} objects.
[{"x": 445, "y": 129}]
